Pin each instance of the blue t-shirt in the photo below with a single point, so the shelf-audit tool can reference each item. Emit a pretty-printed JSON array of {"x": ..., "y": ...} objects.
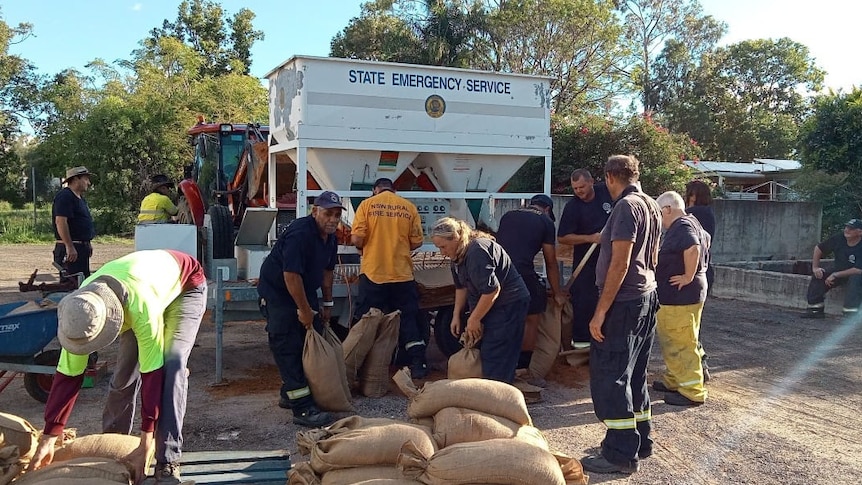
[
  {"x": 845, "y": 256},
  {"x": 300, "y": 250},
  {"x": 584, "y": 218},
  {"x": 682, "y": 234},
  {"x": 706, "y": 216},
  {"x": 77, "y": 214},
  {"x": 486, "y": 267},
  {"x": 522, "y": 233}
]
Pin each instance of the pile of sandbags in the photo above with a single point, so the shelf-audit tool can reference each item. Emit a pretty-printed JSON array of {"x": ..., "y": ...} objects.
[
  {"x": 89, "y": 471},
  {"x": 480, "y": 432},
  {"x": 18, "y": 441},
  {"x": 357, "y": 449},
  {"x": 368, "y": 351}
]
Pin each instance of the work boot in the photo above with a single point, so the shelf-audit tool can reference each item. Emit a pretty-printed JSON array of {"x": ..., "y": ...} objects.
[
  {"x": 311, "y": 417},
  {"x": 168, "y": 473},
  {"x": 418, "y": 363},
  {"x": 599, "y": 464},
  {"x": 814, "y": 313},
  {"x": 677, "y": 399},
  {"x": 661, "y": 387}
]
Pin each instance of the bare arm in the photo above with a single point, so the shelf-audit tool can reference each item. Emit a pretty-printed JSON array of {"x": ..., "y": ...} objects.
[
  {"x": 293, "y": 281},
  {"x": 62, "y": 223},
  {"x": 621, "y": 252},
  {"x": 816, "y": 270},
  {"x": 358, "y": 241},
  {"x": 549, "y": 252},
  {"x": 576, "y": 239},
  {"x": 690, "y": 258}
]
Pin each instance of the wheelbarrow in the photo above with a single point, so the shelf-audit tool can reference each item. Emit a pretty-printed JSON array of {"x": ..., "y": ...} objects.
[{"x": 26, "y": 328}]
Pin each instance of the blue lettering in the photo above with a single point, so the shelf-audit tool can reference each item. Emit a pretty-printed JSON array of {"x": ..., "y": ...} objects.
[
  {"x": 352, "y": 76},
  {"x": 367, "y": 77}
]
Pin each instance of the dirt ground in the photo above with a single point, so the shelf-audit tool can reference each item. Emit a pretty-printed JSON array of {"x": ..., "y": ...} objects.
[{"x": 784, "y": 403}]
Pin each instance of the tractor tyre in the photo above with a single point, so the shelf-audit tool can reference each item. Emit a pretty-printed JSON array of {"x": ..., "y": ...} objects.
[
  {"x": 222, "y": 224},
  {"x": 38, "y": 386},
  {"x": 184, "y": 212}
]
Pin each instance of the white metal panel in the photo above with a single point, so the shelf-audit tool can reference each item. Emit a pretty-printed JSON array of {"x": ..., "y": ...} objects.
[{"x": 179, "y": 237}]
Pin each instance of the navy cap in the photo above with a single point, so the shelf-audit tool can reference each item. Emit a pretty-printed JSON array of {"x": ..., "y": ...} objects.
[
  {"x": 854, "y": 223},
  {"x": 329, "y": 200},
  {"x": 543, "y": 200}
]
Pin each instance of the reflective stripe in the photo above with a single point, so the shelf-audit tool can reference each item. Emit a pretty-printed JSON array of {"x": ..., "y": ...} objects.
[
  {"x": 643, "y": 415},
  {"x": 153, "y": 212},
  {"x": 627, "y": 423},
  {"x": 298, "y": 393},
  {"x": 817, "y": 305},
  {"x": 414, "y": 344},
  {"x": 850, "y": 310},
  {"x": 689, "y": 383}
]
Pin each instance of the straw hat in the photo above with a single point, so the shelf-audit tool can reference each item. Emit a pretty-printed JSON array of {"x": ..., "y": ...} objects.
[
  {"x": 90, "y": 317},
  {"x": 76, "y": 171}
]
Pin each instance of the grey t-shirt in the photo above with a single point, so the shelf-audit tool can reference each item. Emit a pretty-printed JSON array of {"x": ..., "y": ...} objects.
[{"x": 635, "y": 217}]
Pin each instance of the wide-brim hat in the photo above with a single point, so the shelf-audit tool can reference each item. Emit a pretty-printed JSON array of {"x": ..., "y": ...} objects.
[
  {"x": 75, "y": 172},
  {"x": 157, "y": 181},
  {"x": 89, "y": 318}
]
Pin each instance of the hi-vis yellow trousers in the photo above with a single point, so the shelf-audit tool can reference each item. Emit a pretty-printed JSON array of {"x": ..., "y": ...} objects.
[{"x": 677, "y": 330}]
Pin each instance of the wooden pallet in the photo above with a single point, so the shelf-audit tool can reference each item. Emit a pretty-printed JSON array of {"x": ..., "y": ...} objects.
[{"x": 233, "y": 467}]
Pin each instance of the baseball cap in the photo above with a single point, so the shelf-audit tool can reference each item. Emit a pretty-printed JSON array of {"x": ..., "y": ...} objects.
[
  {"x": 543, "y": 200},
  {"x": 75, "y": 171},
  {"x": 854, "y": 223},
  {"x": 329, "y": 200}
]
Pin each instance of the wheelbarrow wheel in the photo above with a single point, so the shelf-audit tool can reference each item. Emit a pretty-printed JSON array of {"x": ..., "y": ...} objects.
[{"x": 38, "y": 386}]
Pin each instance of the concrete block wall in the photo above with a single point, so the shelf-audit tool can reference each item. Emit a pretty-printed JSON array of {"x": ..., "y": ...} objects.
[
  {"x": 750, "y": 230},
  {"x": 774, "y": 288}
]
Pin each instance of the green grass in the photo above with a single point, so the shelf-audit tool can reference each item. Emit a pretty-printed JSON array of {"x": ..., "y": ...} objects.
[{"x": 16, "y": 227}]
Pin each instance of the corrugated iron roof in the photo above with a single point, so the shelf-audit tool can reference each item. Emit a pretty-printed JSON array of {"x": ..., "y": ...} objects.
[{"x": 760, "y": 165}]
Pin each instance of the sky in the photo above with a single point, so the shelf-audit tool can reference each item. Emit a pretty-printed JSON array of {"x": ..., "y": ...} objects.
[{"x": 69, "y": 34}]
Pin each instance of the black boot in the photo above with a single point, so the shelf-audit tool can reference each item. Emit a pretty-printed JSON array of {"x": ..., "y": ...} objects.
[
  {"x": 814, "y": 313},
  {"x": 418, "y": 362}
]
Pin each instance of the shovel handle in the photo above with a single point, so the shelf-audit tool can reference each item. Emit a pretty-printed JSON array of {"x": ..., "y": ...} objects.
[{"x": 579, "y": 268}]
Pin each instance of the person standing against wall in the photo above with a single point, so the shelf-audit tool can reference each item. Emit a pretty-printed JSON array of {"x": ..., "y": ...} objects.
[
  {"x": 301, "y": 262},
  {"x": 681, "y": 276},
  {"x": 523, "y": 233},
  {"x": 73, "y": 225},
  {"x": 580, "y": 226},
  {"x": 487, "y": 282},
  {"x": 623, "y": 326},
  {"x": 387, "y": 228}
]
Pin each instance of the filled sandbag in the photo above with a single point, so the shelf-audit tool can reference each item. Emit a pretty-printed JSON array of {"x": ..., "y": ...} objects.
[
  {"x": 459, "y": 425},
  {"x": 465, "y": 363},
  {"x": 492, "y": 397},
  {"x": 532, "y": 435},
  {"x": 17, "y": 431},
  {"x": 483, "y": 462},
  {"x": 307, "y": 439},
  {"x": 567, "y": 314},
  {"x": 349, "y": 476},
  {"x": 376, "y": 445},
  {"x": 359, "y": 342},
  {"x": 429, "y": 422},
  {"x": 323, "y": 364},
  {"x": 106, "y": 445},
  {"x": 547, "y": 340},
  {"x": 302, "y": 474},
  {"x": 10, "y": 464},
  {"x": 90, "y": 470},
  {"x": 387, "y": 481},
  {"x": 333, "y": 340},
  {"x": 374, "y": 373}
]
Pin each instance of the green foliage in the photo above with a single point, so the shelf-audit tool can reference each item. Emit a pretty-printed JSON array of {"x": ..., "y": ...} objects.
[
  {"x": 589, "y": 143},
  {"x": 16, "y": 225},
  {"x": 224, "y": 44},
  {"x": 746, "y": 100},
  {"x": 831, "y": 149}
]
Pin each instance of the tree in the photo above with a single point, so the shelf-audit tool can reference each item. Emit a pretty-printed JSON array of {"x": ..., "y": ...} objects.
[
  {"x": 650, "y": 25},
  {"x": 588, "y": 142},
  {"x": 830, "y": 145},
  {"x": 572, "y": 41},
  {"x": 224, "y": 44},
  {"x": 747, "y": 100},
  {"x": 377, "y": 35}
]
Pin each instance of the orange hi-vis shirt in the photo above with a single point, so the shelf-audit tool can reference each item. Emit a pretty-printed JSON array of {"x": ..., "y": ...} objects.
[{"x": 390, "y": 224}]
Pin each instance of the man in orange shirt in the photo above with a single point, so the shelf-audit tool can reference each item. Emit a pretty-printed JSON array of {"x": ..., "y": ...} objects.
[{"x": 387, "y": 228}]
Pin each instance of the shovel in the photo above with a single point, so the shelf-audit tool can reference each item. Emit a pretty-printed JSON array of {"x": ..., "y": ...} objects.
[{"x": 566, "y": 330}]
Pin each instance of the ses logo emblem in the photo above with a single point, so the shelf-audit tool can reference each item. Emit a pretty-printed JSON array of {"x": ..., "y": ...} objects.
[{"x": 435, "y": 106}]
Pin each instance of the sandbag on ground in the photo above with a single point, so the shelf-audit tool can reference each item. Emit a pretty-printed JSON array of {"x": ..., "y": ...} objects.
[
  {"x": 106, "y": 445},
  {"x": 492, "y": 397},
  {"x": 459, "y": 425},
  {"x": 88, "y": 469},
  {"x": 323, "y": 364},
  {"x": 359, "y": 342},
  {"x": 349, "y": 476},
  {"x": 376, "y": 445},
  {"x": 374, "y": 373},
  {"x": 547, "y": 340},
  {"x": 465, "y": 363},
  {"x": 17, "y": 431}
]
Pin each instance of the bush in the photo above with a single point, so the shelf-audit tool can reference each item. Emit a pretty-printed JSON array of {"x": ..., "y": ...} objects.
[{"x": 16, "y": 225}]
